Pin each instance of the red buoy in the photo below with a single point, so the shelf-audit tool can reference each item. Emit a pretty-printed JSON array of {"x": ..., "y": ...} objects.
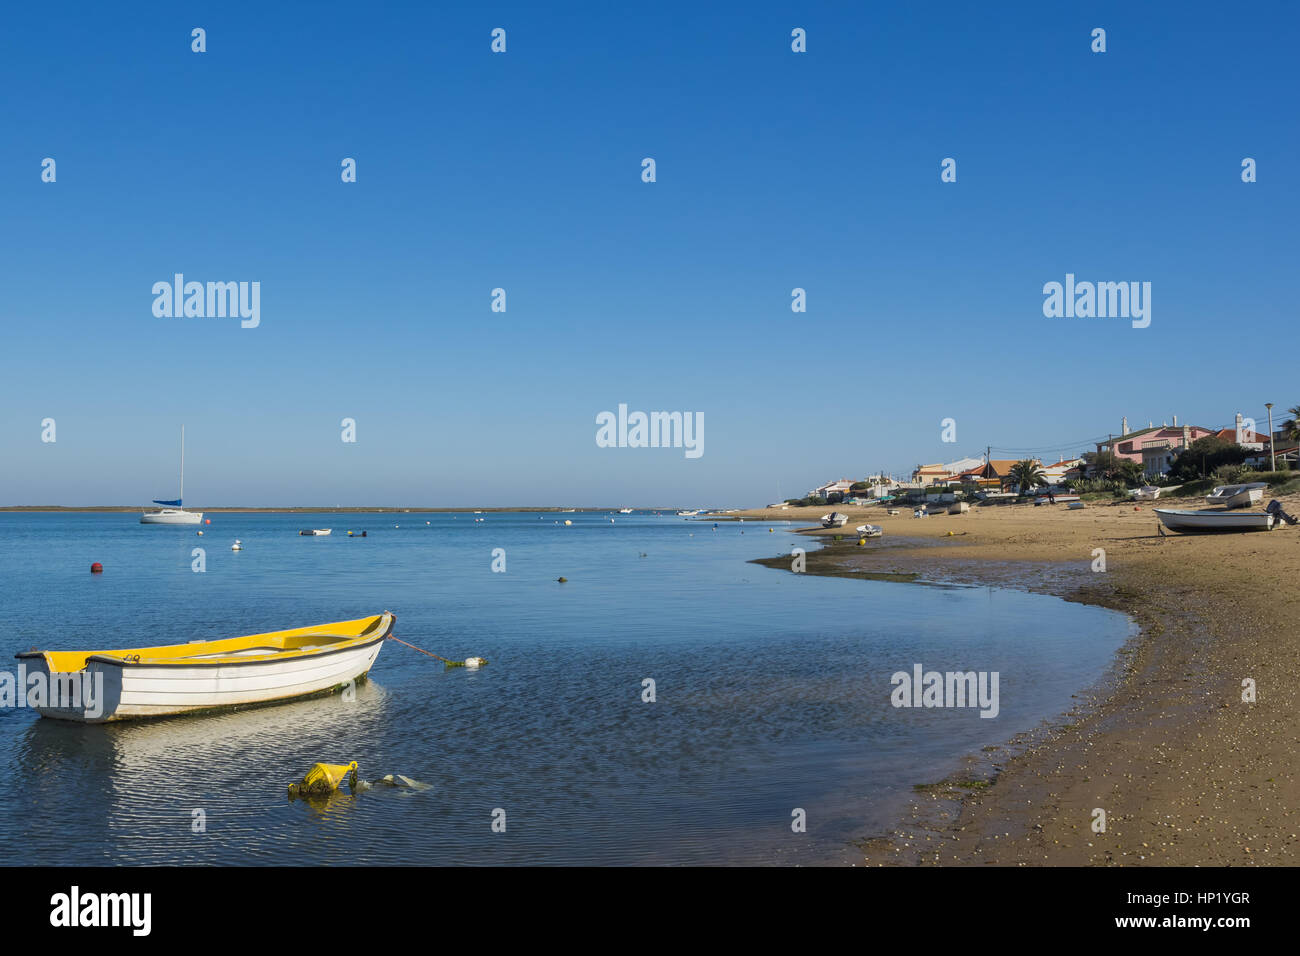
[
  {"x": 207, "y": 521},
  {"x": 96, "y": 568}
]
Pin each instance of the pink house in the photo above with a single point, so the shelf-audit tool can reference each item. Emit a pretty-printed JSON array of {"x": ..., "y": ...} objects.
[{"x": 1156, "y": 447}]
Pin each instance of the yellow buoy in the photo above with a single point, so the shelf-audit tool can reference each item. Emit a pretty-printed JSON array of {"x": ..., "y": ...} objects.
[{"x": 323, "y": 778}]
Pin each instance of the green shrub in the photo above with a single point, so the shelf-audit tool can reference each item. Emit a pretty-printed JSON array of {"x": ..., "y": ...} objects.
[
  {"x": 1206, "y": 454},
  {"x": 1274, "y": 478},
  {"x": 1231, "y": 474}
]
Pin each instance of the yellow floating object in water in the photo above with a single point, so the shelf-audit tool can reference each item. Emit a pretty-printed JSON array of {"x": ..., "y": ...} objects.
[{"x": 323, "y": 778}]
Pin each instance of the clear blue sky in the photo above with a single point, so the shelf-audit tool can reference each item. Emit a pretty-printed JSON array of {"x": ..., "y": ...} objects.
[{"x": 522, "y": 171}]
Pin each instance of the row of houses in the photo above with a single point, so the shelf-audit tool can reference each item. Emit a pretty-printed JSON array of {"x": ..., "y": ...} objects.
[
  {"x": 991, "y": 473},
  {"x": 1154, "y": 448}
]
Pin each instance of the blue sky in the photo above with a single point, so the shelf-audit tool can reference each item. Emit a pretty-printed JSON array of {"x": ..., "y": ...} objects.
[{"x": 522, "y": 170}]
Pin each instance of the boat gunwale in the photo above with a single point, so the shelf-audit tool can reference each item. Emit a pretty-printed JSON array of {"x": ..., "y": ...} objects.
[{"x": 188, "y": 662}]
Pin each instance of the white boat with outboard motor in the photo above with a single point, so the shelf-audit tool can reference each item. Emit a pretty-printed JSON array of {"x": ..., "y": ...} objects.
[{"x": 1215, "y": 519}]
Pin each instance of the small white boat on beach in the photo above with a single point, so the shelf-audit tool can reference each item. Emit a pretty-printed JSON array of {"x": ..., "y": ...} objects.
[
  {"x": 869, "y": 530},
  {"x": 958, "y": 508},
  {"x": 208, "y": 675},
  {"x": 172, "y": 512},
  {"x": 834, "y": 520},
  {"x": 317, "y": 531},
  {"x": 1215, "y": 519},
  {"x": 1045, "y": 500},
  {"x": 1237, "y": 496},
  {"x": 1147, "y": 492}
]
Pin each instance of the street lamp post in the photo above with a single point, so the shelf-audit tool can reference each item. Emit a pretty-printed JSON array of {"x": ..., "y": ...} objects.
[{"x": 1272, "y": 460}]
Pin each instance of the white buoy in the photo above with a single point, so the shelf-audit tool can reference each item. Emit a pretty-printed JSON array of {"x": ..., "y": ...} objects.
[
  {"x": 236, "y": 546},
  {"x": 474, "y": 663}
]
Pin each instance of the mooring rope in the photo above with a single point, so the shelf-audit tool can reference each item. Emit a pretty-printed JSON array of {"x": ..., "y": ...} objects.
[{"x": 478, "y": 660}]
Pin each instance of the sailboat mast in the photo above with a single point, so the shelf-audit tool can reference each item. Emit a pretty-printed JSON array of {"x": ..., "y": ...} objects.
[{"x": 182, "y": 494}]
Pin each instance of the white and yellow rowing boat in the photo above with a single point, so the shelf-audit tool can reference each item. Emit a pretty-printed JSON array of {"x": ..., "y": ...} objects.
[{"x": 206, "y": 675}]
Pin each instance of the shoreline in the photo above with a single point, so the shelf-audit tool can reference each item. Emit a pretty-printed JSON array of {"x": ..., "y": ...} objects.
[{"x": 1187, "y": 773}]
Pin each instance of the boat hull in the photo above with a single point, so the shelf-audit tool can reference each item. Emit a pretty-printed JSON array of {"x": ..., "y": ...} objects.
[
  {"x": 172, "y": 517},
  {"x": 125, "y": 690},
  {"x": 1214, "y": 520},
  {"x": 1237, "y": 496}
]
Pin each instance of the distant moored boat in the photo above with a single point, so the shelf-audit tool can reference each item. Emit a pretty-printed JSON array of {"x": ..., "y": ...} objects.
[{"x": 172, "y": 512}]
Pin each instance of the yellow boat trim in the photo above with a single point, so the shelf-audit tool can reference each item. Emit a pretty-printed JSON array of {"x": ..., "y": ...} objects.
[{"x": 252, "y": 648}]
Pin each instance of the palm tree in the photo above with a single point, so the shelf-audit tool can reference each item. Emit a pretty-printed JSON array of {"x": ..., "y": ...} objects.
[
  {"x": 1027, "y": 473},
  {"x": 1291, "y": 430},
  {"x": 1291, "y": 427}
]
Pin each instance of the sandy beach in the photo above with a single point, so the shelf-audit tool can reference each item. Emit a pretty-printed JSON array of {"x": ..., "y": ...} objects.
[{"x": 1186, "y": 772}]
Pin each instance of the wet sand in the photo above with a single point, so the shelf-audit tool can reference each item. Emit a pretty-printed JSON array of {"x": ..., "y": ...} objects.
[{"x": 1186, "y": 772}]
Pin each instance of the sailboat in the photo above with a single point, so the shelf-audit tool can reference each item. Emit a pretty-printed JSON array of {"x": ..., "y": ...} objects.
[{"x": 172, "y": 512}]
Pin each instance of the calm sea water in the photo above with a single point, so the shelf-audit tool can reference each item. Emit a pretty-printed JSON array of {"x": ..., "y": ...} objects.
[{"x": 772, "y": 691}]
